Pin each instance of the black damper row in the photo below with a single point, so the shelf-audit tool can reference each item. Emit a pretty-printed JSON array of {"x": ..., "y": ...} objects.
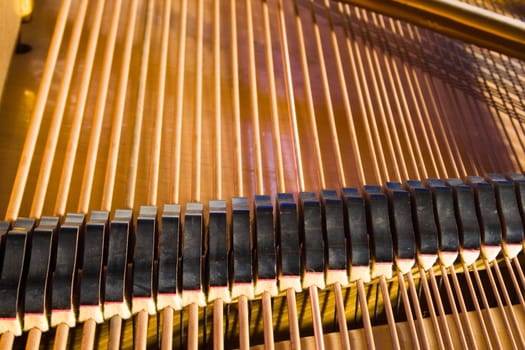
[{"x": 291, "y": 235}]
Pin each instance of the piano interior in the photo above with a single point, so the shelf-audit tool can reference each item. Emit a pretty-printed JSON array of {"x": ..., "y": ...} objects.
[{"x": 265, "y": 174}]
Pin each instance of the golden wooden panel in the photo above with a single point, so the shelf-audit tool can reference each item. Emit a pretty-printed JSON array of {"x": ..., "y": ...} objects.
[{"x": 411, "y": 112}]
